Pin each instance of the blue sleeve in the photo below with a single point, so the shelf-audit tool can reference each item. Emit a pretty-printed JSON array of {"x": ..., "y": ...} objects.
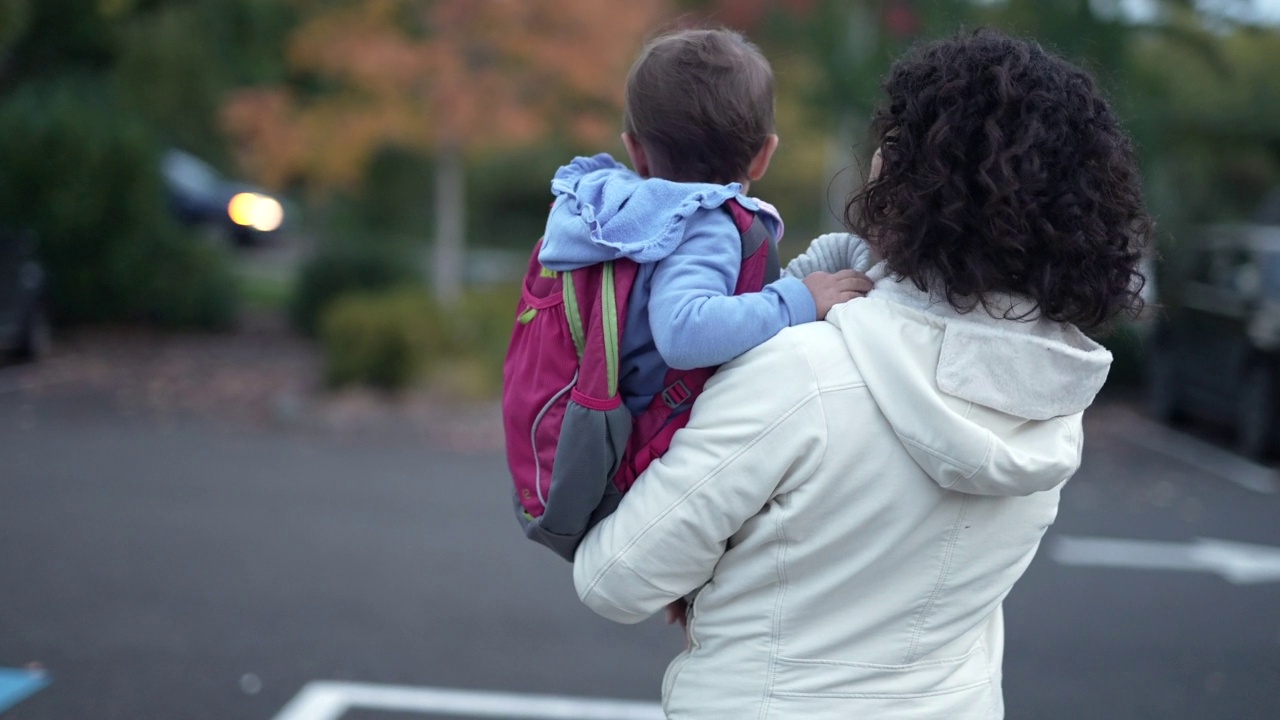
[{"x": 696, "y": 319}]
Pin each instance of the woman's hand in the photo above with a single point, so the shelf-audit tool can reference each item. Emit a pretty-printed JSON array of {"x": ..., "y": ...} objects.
[{"x": 831, "y": 289}]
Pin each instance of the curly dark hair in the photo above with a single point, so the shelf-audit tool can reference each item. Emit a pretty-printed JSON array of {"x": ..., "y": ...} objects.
[{"x": 1005, "y": 171}]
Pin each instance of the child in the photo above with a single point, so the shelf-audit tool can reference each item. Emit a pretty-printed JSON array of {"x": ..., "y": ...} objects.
[{"x": 698, "y": 130}]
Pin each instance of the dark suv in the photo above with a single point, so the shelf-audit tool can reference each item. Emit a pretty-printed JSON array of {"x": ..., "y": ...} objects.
[
  {"x": 24, "y": 319},
  {"x": 1215, "y": 351},
  {"x": 200, "y": 196}
]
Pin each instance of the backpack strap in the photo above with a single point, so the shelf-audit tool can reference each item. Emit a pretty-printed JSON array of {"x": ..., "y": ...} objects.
[
  {"x": 754, "y": 236},
  {"x": 573, "y": 313},
  {"x": 595, "y": 301},
  {"x": 669, "y": 410},
  {"x": 751, "y": 279}
]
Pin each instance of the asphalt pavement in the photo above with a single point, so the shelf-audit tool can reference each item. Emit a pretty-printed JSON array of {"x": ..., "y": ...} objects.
[{"x": 162, "y": 568}]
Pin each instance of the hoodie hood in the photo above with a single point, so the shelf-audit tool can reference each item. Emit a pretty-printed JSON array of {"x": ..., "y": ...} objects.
[
  {"x": 983, "y": 404},
  {"x": 604, "y": 211}
]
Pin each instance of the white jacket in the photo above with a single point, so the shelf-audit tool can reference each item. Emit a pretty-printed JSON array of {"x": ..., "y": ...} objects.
[{"x": 853, "y": 500}]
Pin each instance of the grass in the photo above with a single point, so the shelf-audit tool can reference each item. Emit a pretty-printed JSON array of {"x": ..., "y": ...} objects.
[{"x": 265, "y": 292}]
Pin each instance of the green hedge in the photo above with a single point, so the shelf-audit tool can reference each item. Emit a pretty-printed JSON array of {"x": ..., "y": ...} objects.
[
  {"x": 385, "y": 340},
  {"x": 84, "y": 175},
  {"x": 346, "y": 268},
  {"x": 395, "y": 339}
]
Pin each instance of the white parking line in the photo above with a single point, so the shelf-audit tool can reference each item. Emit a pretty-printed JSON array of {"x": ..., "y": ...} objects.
[
  {"x": 1203, "y": 456},
  {"x": 329, "y": 700},
  {"x": 1238, "y": 563}
]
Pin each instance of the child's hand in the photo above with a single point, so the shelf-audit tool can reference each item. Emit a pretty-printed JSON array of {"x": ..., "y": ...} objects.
[
  {"x": 678, "y": 612},
  {"x": 831, "y": 289}
]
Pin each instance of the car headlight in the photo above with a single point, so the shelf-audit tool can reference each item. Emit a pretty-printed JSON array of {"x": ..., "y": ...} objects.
[{"x": 260, "y": 212}]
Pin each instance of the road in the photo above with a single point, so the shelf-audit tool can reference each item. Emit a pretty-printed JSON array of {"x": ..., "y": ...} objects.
[{"x": 161, "y": 568}]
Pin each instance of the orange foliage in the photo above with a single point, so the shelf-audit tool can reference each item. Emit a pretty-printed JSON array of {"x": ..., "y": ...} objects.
[
  {"x": 266, "y": 119},
  {"x": 750, "y": 14},
  {"x": 471, "y": 74}
]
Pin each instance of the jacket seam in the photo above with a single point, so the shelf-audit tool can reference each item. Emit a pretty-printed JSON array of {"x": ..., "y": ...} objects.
[
  {"x": 947, "y": 557},
  {"x": 968, "y": 469},
  {"x": 608, "y": 566},
  {"x": 991, "y": 698},
  {"x": 956, "y": 660},
  {"x": 638, "y": 576},
  {"x": 986, "y": 456},
  {"x": 771, "y": 673},
  {"x": 885, "y": 696},
  {"x": 1077, "y": 434}
]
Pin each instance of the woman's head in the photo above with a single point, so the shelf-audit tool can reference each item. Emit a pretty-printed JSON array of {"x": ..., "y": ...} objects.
[
  {"x": 699, "y": 103},
  {"x": 1004, "y": 170}
]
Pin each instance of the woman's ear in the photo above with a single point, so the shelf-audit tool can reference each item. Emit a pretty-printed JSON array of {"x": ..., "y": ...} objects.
[
  {"x": 877, "y": 165},
  {"x": 635, "y": 151},
  {"x": 760, "y": 163}
]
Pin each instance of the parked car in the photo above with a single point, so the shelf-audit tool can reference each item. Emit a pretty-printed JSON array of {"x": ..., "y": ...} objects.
[
  {"x": 25, "y": 332},
  {"x": 1215, "y": 351},
  {"x": 200, "y": 196}
]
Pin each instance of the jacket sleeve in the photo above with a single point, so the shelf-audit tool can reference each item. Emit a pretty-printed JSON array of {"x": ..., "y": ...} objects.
[
  {"x": 831, "y": 253},
  {"x": 697, "y": 321},
  {"x": 741, "y": 444}
]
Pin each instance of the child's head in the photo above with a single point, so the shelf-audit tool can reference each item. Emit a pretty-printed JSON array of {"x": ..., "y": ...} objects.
[
  {"x": 1003, "y": 169},
  {"x": 700, "y": 108}
]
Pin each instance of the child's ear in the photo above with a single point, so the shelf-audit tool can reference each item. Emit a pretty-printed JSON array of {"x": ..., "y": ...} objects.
[
  {"x": 760, "y": 163},
  {"x": 635, "y": 151}
]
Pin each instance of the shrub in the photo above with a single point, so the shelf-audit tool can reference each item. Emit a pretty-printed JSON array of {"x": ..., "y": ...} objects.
[
  {"x": 84, "y": 175},
  {"x": 195, "y": 287},
  {"x": 387, "y": 340},
  {"x": 265, "y": 292},
  {"x": 392, "y": 339},
  {"x": 1127, "y": 343},
  {"x": 345, "y": 268},
  {"x": 480, "y": 329}
]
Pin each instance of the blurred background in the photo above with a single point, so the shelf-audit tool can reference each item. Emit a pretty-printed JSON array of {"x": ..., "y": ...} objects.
[{"x": 257, "y": 265}]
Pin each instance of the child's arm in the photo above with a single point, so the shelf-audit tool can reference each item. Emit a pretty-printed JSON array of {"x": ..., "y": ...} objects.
[
  {"x": 696, "y": 319},
  {"x": 831, "y": 253}
]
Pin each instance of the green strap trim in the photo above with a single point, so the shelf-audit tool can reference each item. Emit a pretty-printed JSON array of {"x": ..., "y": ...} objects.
[
  {"x": 609, "y": 306},
  {"x": 527, "y": 316},
  {"x": 575, "y": 315}
]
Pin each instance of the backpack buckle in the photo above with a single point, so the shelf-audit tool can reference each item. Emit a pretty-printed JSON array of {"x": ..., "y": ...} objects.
[{"x": 676, "y": 394}]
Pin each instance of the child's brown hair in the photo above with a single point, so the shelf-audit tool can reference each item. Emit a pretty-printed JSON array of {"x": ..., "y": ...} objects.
[{"x": 700, "y": 102}]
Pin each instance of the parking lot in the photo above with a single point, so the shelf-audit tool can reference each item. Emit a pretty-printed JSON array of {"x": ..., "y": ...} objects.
[{"x": 160, "y": 566}]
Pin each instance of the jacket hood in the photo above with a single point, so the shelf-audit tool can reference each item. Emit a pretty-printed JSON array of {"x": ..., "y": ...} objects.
[
  {"x": 983, "y": 404},
  {"x": 604, "y": 211}
]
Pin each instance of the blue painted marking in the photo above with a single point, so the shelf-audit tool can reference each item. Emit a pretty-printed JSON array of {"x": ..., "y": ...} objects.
[{"x": 18, "y": 685}]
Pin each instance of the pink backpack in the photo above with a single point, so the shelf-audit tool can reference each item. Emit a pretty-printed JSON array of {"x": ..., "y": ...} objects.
[{"x": 572, "y": 446}]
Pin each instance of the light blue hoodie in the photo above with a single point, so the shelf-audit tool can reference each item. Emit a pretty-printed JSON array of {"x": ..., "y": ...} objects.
[{"x": 682, "y": 312}]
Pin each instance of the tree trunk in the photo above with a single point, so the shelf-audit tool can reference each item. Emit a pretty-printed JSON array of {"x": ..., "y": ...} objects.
[{"x": 448, "y": 267}]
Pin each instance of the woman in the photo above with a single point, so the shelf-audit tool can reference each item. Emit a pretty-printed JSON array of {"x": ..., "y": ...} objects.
[{"x": 853, "y": 500}]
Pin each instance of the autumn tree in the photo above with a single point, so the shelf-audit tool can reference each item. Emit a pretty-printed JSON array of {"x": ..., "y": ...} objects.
[{"x": 449, "y": 78}]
